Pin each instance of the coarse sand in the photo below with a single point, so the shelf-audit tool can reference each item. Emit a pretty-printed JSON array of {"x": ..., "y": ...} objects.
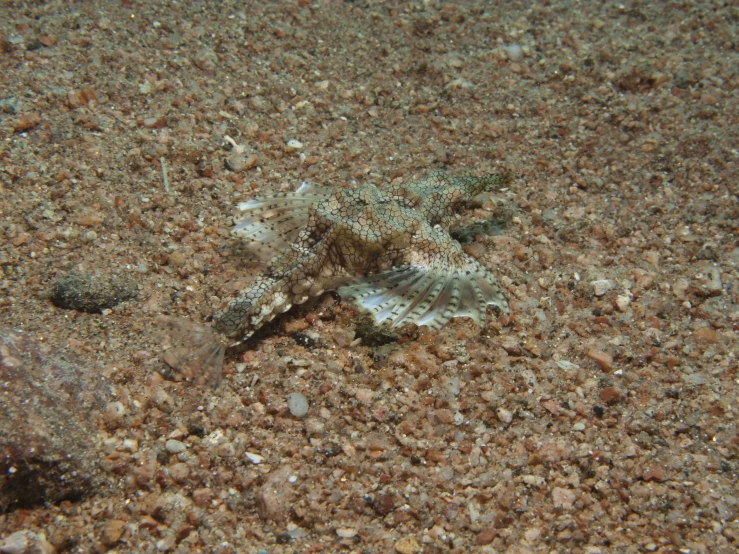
[{"x": 598, "y": 417}]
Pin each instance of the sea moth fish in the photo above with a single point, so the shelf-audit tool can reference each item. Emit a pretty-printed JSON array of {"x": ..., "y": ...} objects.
[{"x": 388, "y": 250}]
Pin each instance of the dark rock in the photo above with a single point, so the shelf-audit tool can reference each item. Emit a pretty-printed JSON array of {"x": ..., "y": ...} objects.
[
  {"x": 89, "y": 292},
  {"x": 373, "y": 334},
  {"x": 46, "y": 424},
  {"x": 303, "y": 340}
]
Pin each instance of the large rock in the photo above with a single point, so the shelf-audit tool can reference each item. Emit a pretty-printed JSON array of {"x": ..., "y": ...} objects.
[{"x": 47, "y": 411}]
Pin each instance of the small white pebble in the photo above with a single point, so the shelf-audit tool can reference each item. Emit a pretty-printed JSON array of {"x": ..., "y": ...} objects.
[
  {"x": 515, "y": 53},
  {"x": 602, "y": 286},
  {"x": 254, "y": 458},
  {"x": 294, "y": 144},
  {"x": 130, "y": 445},
  {"x": 504, "y": 415},
  {"x": 622, "y": 302},
  {"x": 297, "y": 404},
  {"x": 346, "y": 532},
  {"x": 174, "y": 446},
  {"x": 567, "y": 366},
  {"x": 580, "y": 426},
  {"x": 115, "y": 410}
]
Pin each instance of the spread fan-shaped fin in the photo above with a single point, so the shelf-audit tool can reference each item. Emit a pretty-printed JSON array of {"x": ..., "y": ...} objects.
[
  {"x": 427, "y": 295},
  {"x": 271, "y": 223}
]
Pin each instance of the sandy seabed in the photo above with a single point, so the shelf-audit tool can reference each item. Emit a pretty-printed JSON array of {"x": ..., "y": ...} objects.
[{"x": 599, "y": 417}]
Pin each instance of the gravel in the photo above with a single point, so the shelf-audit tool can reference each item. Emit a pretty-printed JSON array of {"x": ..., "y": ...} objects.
[
  {"x": 582, "y": 422},
  {"x": 297, "y": 404}
]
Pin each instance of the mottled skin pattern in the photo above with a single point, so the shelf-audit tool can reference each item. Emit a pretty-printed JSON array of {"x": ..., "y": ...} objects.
[{"x": 388, "y": 250}]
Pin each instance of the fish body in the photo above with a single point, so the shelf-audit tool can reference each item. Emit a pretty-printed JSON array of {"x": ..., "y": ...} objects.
[{"x": 388, "y": 250}]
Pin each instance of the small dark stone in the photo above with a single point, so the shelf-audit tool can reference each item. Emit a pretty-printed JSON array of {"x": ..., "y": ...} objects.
[
  {"x": 373, "y": 334},
  {"x": 284, "y": 538},
  {"x": 416, "y": 460},
  {"x": 303, "y": 340},
  {"x": 91, "y": 293},
  {"x": 195, "y": 428},
  {"x": 331, "y": 450},
  {"x": 383, "y": 504},
  {"x": 32, "y": 45},
  {"x": 599, "y": 410}
]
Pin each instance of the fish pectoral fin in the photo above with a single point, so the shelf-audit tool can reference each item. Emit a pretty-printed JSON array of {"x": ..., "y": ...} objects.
[
  {"x": 426, "y": 295},
  {"x": 269, "y": 224}
]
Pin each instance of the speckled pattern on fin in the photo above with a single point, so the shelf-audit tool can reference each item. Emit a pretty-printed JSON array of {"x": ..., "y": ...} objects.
[{"x": 270, "y": 224}]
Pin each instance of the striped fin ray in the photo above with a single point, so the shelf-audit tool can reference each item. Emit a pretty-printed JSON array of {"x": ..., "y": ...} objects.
[
  {"x": 442, "y": 306},
  {"x": 271, "y": 223},
  {"x": 379, "y": 293},
  {"x": 472, "y": 300},
  {"x": 427, "y": 295}
]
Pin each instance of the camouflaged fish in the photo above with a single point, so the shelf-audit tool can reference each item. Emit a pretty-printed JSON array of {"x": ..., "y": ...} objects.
[{"x": 387, "y": 250}]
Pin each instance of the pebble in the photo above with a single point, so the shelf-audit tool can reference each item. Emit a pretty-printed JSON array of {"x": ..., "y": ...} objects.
[
  {"x": 240, "y": 162},
  {"x": 610, "y": 395},
  {"x": 695, "y": 379},
  {"x": 115, "y": 410},
  {"x": 297, "y": 404},
  {"x": 112, "y": 532},
  {"x": 602, "y": 286},
  {"x": 91, "y": 292},
  {"x": 274, "y": 498},
  {"x": 515, "y": 53},
  {"x": 130, "y": 445},
  {"x": 89, "y": 236},
  {"x": 179, "y": 472},
  {"x": 26, "y": 542},
  {"x": 294, "y": 144},
  {"x": 254, "y": 458},
  {"x": 505, "y": 416},
  {"x": 407, "y": 545},
  {"x": 365, "y": 396},
  {"x": 486, "y": 536},
  {"x": 9, "y": 105},
  {"x": 604, "y": 359},
  {"x": 653, "y": 473},
  {"x": 567, "y": 366},
  {"x": 26, "y": 122},
  {"x": 163, "y": 401},
  {"x": 563, "y": 498},
  {"x": 623, "y": 301},
  {"x": 167, "y": 543},
  {"x": 706, "y": 334},
  {"x": 346, "y": 533},
  {"x": 206, "y": 59},
  {"x": 534, "y": 480},
  {"x": 175, "y": 447}
]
